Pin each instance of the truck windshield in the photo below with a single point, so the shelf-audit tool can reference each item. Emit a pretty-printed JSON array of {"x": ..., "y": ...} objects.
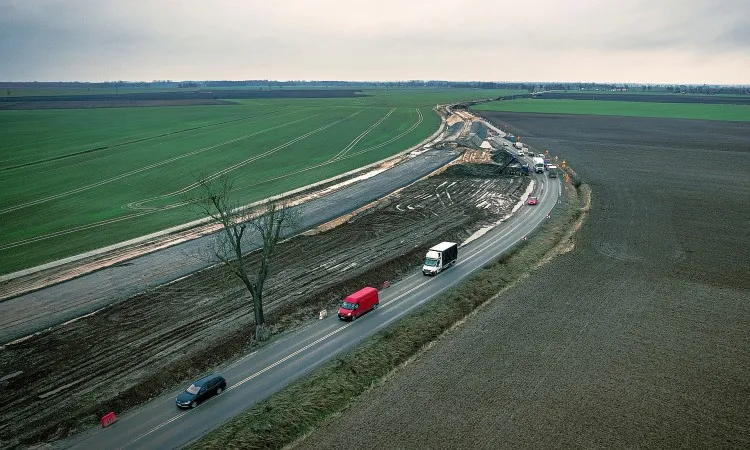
[
  {"x": 431, "y": 262},
  {"x": 349, "y": 305}
]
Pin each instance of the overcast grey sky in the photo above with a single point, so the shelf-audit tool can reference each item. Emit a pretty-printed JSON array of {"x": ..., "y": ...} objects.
[{"x": 656, "y": 41}]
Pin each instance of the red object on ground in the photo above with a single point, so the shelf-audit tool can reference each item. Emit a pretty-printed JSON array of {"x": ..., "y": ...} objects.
[
  {"x": 108, "y": 419},
  {"x": 386, "y": 284}
]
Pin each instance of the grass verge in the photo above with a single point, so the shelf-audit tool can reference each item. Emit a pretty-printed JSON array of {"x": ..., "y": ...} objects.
[{"x": 294, "y": 411}]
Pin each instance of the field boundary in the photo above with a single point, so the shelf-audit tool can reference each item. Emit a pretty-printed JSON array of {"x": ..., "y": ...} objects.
[{"x": 104, "y": 257}]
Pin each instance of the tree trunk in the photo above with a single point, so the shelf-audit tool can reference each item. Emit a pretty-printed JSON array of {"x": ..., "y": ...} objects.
[{"x": 262, "y": 332}]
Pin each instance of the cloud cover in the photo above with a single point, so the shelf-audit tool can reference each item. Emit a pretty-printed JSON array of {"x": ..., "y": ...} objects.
[{"x": 659, "y": 41}]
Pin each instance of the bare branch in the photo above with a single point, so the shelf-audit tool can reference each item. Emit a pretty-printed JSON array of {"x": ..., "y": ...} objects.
[{"x": 264, "y": 226}]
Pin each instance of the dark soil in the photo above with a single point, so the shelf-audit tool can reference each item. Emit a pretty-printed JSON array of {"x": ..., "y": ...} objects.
[
  {"x": 636, "y": 338},
  {"x": 73, "y": 104},
  {"x": 132, "y": 351},
  {"x": 650, "y": 98},
  {"x": 164, "y": 98}
]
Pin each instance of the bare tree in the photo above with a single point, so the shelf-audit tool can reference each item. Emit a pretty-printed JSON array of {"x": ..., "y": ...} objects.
[{"x": 262, "y": 224}]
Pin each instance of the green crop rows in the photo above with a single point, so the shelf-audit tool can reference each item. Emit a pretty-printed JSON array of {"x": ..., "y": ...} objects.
[
  {"x": 736, "y": 113},
  {"x": 73, "y": 180}
]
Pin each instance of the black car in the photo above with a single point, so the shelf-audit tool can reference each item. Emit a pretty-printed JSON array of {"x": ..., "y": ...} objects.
[{"x": 201, "y": 390}]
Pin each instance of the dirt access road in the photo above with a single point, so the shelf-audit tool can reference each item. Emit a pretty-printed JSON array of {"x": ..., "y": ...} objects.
[
  {"x": 636, "y": 338},
  {"x": 133, "y": 350}
]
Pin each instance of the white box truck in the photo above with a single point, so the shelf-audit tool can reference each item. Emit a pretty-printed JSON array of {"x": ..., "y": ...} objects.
[
  {"x": 538, "y": 164},
  {"x": 518, "y": 145},
  {"x": 440, "y": 257}
]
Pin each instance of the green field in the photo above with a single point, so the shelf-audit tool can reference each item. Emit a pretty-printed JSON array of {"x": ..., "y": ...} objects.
[
  {"x": 73, "y": 180},
  {"x": 734, "y": 113}
]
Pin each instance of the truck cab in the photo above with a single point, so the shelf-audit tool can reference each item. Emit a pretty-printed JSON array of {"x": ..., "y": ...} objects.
[{"x": 440, "y": 257}]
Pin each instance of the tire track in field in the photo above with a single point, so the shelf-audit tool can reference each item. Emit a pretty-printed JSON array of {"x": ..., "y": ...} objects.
[
  {"x": 420, "y": 119},
  {"x": 151, "y": 141},
  {"x": 98, "y": 147},
  {"x": 145, "y": 211},
  {"x": 145, "y": 168},
  {"x": 360, "y": 137},
  {"x": 139, "y": 204}
]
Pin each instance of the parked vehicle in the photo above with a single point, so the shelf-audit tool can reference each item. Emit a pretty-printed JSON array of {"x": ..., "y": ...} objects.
[
  {"x": 547, "y": 163},
  {"x": 358, "y": 303},
  {"x": 520, "y": 152},
  {"x": 201, "y": 390},
  {"x": 538, "y": 164},
  {"x": 518, "y": 145},
  {"x": 532, "y": 201},
  {"x": 505, "y": 144},
  {"x": 440, "y": 257},
  {"x": 552, "y": 171}
]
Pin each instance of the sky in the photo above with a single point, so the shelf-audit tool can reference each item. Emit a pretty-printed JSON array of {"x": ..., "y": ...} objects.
[{"x": 624, "y": 41}]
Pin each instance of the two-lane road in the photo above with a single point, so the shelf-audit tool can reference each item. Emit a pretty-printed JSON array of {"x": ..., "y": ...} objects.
[{"x": 159, "y": 424}]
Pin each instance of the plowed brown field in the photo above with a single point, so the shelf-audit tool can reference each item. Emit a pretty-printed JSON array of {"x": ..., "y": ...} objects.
[{"x": 637, "y": 338}]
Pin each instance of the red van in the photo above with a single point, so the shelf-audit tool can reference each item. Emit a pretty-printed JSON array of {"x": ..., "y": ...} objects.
[{"x": 358, "y": 303}]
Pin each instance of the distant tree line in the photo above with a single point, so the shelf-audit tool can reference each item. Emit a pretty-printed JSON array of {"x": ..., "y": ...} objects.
[{"x": 273, "y": 84}]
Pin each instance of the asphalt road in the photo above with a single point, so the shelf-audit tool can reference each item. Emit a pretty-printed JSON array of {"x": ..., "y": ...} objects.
[
  {"x": 159, "y": 424},
  {"x": 38, "y": 310}
]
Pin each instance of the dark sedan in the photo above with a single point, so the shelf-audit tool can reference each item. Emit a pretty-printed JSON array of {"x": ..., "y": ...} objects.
[{"x": 201, "y": 390}]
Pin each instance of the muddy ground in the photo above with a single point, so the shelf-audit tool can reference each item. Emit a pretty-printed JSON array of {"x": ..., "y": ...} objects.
[
  {"x": 636, "y": 338},
  {"x": 131, "y": 351}
]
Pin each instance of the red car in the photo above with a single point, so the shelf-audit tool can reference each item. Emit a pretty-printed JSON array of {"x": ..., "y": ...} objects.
[{"x": 532, "y": 201}]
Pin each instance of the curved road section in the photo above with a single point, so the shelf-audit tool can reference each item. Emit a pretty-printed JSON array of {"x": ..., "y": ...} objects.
[
  {"x": 159, "y": 424},
  {"x": 29, "y": 313}
]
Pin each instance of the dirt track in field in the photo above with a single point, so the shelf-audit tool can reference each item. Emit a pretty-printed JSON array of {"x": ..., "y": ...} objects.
[
  {"x": 101, "y": 362},
  {"x": 636, "y": 338}
]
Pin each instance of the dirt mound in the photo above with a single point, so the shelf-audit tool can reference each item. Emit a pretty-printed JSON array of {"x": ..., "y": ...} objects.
[{"x": 471, "y": 170}]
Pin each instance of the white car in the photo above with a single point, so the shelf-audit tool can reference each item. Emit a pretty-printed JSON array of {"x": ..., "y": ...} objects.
[{"x": 520, "y": 152}]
